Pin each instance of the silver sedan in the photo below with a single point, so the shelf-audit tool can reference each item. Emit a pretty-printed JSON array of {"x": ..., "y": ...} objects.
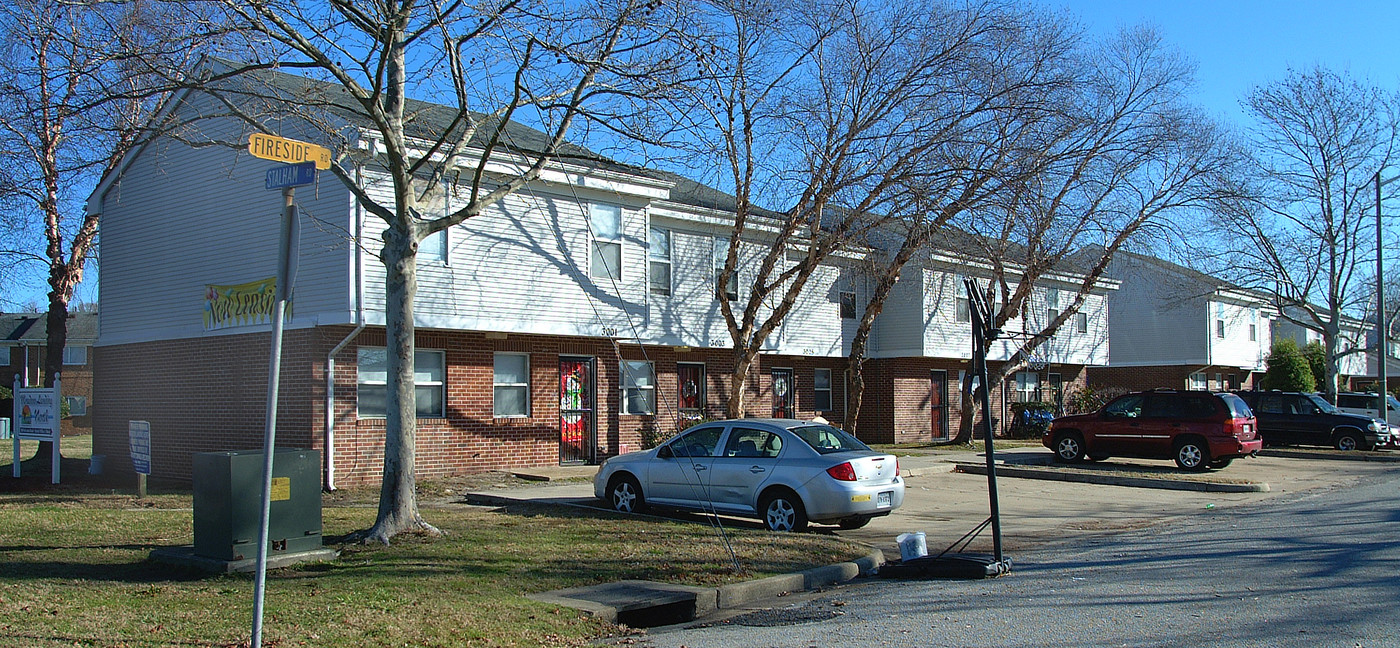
[{"x": 782, "y": 471}]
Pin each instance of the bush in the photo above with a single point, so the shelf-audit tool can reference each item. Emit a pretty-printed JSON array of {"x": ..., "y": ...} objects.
[
  {"x": 1288, "y": 369},
  {"x": 1088, "y": 399}
]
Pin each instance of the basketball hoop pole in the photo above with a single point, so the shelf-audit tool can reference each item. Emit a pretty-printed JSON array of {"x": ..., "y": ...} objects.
[{"x": 982, "y": 336}]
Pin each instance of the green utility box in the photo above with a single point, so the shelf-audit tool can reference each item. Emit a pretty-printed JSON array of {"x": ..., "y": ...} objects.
[{"x": 228, "y": 490}]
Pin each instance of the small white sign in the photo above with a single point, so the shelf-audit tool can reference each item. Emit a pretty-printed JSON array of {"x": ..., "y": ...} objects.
[{"x": 139, "y": 433}]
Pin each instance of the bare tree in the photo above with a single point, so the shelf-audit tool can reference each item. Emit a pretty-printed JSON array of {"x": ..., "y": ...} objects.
[
  {"x": 994, "y": 100},
  {"x": 1308, "y": 235},
  {"x": 832, "y": 109},
  {"x": 76, "y": 91},
  {"x": 1125, "y": 158},
  {"x": 489, "y": 67}
]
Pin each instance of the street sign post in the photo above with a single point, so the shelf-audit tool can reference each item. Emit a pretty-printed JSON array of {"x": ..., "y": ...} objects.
[
  {"x": 282, "y": 149},
  {"x": 290, "y": 175}
]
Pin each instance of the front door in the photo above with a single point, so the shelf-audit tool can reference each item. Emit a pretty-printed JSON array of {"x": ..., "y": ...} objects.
[
  {"x": 938, "y": 403},
  {"x": 575, "y": 410},
  {"x": 783, "y": 401}
]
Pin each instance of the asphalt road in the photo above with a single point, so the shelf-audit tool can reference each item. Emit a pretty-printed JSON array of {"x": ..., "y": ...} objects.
[{"x": 1318, "y": 568}]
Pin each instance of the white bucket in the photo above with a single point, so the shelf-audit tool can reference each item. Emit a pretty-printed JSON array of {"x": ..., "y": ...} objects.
[{"x": 911, "y": 545}]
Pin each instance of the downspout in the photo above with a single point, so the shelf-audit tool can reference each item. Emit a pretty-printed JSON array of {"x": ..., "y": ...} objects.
[{"x": 359, "y": 326}]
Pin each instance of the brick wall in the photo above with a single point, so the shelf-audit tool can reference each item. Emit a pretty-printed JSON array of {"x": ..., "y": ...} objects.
[{"x": 1165, "y": 376}]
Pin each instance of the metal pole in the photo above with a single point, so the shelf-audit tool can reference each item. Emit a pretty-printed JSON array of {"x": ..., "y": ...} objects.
[
  {"x": 982, "y": 336},
  {"x": 1382, "y": 334},
  {"x": 286, "y": 251}
]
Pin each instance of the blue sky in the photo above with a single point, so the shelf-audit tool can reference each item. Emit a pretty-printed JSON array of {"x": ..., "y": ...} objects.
[
  {"x": 1239, "y": 44},
  {"x": 1235, "y": 44}
]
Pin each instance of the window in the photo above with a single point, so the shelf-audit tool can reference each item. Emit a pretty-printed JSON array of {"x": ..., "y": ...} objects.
[
  {"x": 1219, "y": 381},
  {"x": 848, "y": 304},
  {"x": 510, "y": 385},
  {"x": 1027, "y": 387},
  {"x": 1232, "y": 382},
  {"x": 821, "y": 389},
  {"x": 1220, "y": 328},
  {"x": 659, "y": 253},
  {"x": 1196, "y": 381},
  {"x": 1129, "y": 406},
  {"x": 77, "y": 405},
  {"x": 429, "y": 371},
  {"x": 700, "y": 443},
  {"x": 1081, "y": 322},
  {"x": 75, "y": 355},
  {"x": 1253, "y": 333},
  {"x": 606, "y": 223},
  {"x": 638, "y": 388},
  {"x": 721, "y": 253},
  {"x": 964, "y": 312},
  {"x": 5, "y": 358},
  {"x": 433, "y": 249},
  {"x": 751, "y": 443}
]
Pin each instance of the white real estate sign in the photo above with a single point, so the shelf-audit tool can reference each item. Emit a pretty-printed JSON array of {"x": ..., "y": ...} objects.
[{"x": 37, "y": 414}]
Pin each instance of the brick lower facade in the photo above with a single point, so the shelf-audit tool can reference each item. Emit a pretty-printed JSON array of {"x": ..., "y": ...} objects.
[
  {"x": 206, "y": 395},
  {"x": 1169, "y": 377}
]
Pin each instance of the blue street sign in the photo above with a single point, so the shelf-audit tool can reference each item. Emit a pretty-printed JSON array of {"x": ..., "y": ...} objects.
[{"x": 290, "y": 175}]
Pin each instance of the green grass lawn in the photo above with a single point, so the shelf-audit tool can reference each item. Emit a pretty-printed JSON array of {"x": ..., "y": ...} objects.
[{"x": 76, "y": 574}]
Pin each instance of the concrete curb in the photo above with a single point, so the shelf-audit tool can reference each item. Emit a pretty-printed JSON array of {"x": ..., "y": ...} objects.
[
  {"x": 1112, "y": 480},
  {"x": 739, "y": 594},
  {"x": 1333, "y": 455},
  {"x": 921, "y": 471}
]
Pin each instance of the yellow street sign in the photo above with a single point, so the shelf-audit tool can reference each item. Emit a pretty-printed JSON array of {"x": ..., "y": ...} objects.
[{"x": 281, "y": 149}]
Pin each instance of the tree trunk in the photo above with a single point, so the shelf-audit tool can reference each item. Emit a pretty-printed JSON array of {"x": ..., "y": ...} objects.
[
  {"x": 738, "y": 382},
  {"x": 57, "y": 323},
  {"x": 398, "y": 498}
]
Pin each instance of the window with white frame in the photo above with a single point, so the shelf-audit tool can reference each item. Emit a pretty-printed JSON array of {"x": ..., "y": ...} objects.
[
  {"x": 821, "y": 390},
  {"x": 1220, "y": 329},
  {"x": 606, "y": 224},
  {"x": 1081, "y": 322},
  {"x": 848, "y": 304},
  {"x": 429, "y": 378},
  {"x": 638, "y": 387},
  {"x": 75, "y": 355},
  {"x": 77, "y": 405},
  {"x": 510, "y": 384},
  {"x": 721, "y": 254},
  {"x": 433, "y": 248},
  {"x": 659, "y": 255},
  {"x": 1027, "y": 387},
  {"x": 1196, "y": 381}
]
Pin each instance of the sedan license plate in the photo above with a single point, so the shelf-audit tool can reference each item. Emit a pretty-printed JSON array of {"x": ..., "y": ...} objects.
[{"x": 883, "y": 500}]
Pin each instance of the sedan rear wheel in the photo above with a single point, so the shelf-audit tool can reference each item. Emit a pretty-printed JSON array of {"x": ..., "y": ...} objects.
[
  {"x": 783, "y": 512},
  {"x": 1192, "y": 455},
  {"x": 625, "y": 494}
]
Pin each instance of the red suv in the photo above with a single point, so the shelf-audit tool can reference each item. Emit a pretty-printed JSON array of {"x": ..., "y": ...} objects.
[{"x": 1198, "y": 429}]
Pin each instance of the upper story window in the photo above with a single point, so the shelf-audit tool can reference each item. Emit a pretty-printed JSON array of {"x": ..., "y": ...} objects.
[
  {"x": 1253, "y": 333},
  {"x": 848, "y": 304},
  {"x": 433, "y": 249},
  {"x": 964, "y": 308},
  {"x": 1081, "y": 322},
  {"x": 75, "y": 355},
  {"x": 429, "y": 376},
  {"x": 721, "y": 254},
  {"x": 510, "y": 384},
  {"x": 659, "y": 256},
  {"x": 1220, "y": 329},
  {"x": 605, "y": 221}
]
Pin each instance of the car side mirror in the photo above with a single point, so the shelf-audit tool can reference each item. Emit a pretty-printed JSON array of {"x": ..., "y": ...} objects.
[{"x": 664, "y": 452}]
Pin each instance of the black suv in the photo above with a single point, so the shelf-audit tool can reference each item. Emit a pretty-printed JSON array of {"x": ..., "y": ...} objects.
[{"x": 1308, "y": 419}]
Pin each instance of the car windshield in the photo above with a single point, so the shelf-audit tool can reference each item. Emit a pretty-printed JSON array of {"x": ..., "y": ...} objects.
[
  {"x": 1238, "y": 408},
  {"x": 826, "y": 439},
  {"x": 1321, "y": 403}
]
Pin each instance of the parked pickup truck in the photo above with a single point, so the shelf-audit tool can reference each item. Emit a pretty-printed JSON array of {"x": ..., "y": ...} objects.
[{"x": 1307, "y": 419}]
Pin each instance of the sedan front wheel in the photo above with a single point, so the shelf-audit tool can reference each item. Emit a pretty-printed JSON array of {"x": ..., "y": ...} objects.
[{"x": 625, "y": 495}]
